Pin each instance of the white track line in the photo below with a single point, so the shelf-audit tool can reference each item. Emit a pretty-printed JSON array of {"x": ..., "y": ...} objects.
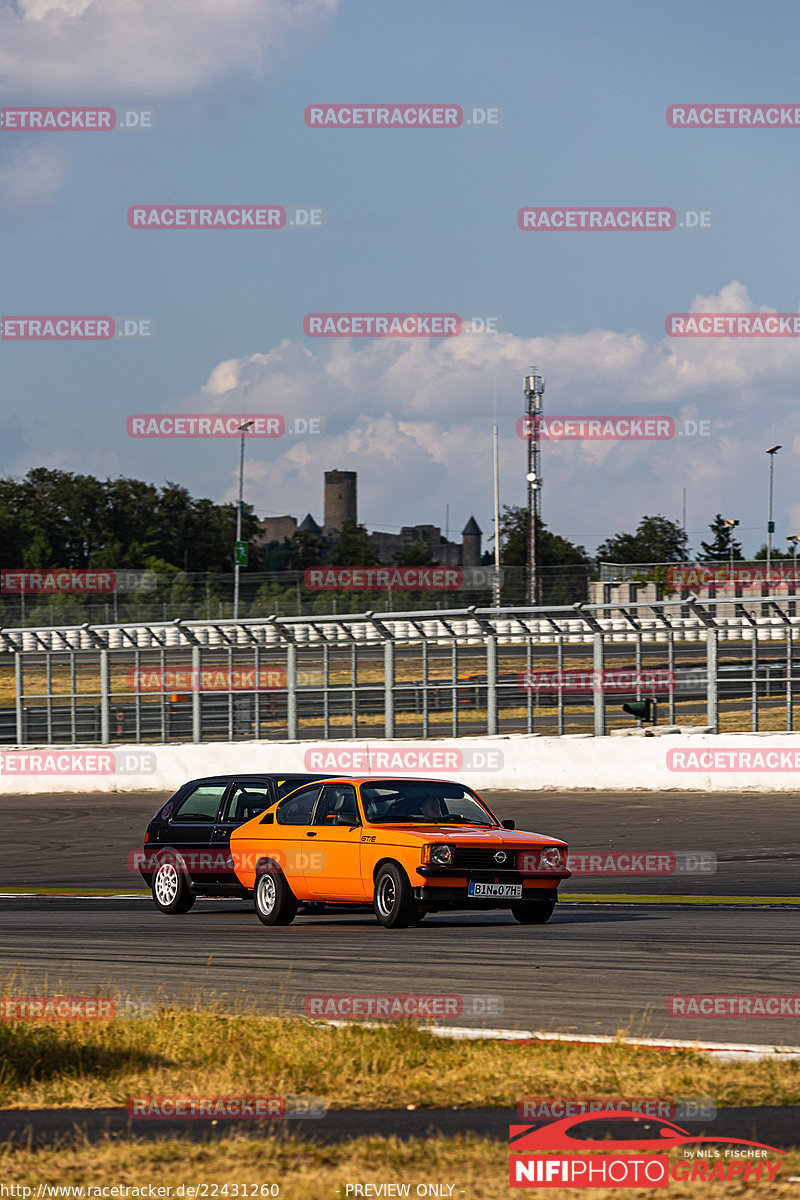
[
  {"x": 721, "y": 1051},
  {"x": 72, "y": 896}
]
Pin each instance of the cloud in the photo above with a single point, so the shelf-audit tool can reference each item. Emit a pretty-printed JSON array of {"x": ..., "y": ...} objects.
[
  {"x": 414, "y": 419},
  {"x": 71, "y": 48},
  {"x": 30, "y": 180}
]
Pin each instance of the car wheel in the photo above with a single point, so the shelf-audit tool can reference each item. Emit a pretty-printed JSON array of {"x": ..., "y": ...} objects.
[
  {"x": 393, "y": 904},
  {"x": 533, "y": 912},
  {"x": 171, "y": 892},
  {"x": 274, "y": 901}
]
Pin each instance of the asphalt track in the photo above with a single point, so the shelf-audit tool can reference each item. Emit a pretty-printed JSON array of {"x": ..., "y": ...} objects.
[
  {"x": 594, "y": 968},
  {"x": 778, "y": 1126},
  {"x": 65, "y": 840}
]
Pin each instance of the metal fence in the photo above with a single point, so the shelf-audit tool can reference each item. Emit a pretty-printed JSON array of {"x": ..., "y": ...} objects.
[
  {"x": 132, "y": 596},
  {"x": 455, "y": 672}
]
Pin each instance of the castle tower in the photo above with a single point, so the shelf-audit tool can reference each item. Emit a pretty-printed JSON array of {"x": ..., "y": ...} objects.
[
  {"x": 471, "y": 544},
  {"x": 340, "y": 500}
]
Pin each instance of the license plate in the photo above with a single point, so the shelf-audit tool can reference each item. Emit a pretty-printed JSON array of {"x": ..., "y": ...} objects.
[{"x": 495, "y": 891}]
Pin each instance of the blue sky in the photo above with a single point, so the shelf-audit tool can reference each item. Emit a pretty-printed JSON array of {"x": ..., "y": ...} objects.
[{"x": 416, "y": 221}]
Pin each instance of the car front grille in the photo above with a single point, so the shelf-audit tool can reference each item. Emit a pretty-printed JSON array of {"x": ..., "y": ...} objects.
[{"x": 478, "y": 858}]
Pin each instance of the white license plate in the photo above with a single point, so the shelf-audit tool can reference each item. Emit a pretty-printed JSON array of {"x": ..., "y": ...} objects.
[{"x": 496, "y": 891}]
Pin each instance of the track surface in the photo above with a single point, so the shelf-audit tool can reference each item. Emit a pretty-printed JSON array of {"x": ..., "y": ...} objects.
[
  {"x": 82, "y": 841},
  {"x": 592, "y": 969},
  {"x": 774, "y": 1126}
]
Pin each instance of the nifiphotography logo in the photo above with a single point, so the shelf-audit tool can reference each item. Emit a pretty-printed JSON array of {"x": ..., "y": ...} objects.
[{"x": 607, "y": 1159}]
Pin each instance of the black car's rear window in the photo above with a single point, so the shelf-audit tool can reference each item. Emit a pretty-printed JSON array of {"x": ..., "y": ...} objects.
[{"x": 202, "y": 803}]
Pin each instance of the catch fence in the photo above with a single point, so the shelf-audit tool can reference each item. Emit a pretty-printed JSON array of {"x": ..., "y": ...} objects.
[{"x": 416, "y": 674}]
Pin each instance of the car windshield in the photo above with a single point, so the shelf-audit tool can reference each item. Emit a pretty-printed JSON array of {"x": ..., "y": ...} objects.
[{"x": 423, "y": 802}]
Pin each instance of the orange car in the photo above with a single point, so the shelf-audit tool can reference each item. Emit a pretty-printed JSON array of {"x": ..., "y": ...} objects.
[{"x": 405, "y": 846}]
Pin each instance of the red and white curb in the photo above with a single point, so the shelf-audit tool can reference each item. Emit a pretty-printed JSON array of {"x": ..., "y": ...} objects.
[{"x": 720, "y": 1051}]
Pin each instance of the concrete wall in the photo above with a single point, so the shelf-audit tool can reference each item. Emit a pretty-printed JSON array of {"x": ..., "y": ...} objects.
[{"x": 728, "y": 762}]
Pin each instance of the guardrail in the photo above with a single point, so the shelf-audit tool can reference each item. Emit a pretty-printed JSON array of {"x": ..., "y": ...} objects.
[{"x": 450, "y": 671}]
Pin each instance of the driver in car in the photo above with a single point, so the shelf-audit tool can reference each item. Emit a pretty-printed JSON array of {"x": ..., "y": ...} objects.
[{"x": 432, "y": 808}]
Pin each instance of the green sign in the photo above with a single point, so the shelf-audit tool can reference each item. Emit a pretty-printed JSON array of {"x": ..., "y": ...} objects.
[
  {"x": 241, "y": 554},
  {"x": 770, "y": 526}
]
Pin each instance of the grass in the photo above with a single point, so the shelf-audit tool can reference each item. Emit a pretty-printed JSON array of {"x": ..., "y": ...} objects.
[
  {"x": 475, "y": 1167},
  {"x": 210, "y": 1050}
]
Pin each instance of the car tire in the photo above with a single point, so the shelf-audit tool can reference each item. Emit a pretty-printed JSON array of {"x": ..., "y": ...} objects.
[
  {"x": 170, "y": 888},
  {"x": 533, "y": 912},
  {"x": 393, "y": 904},
  {"x": 274, "y": 901}
]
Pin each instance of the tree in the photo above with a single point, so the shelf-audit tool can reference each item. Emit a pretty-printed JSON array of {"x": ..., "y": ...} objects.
[
  {"x": 415, "y": 554},
  {"x": 564, "y": 567},
  {"x": 306, "y": 550},
  {"x": 275, "y": 555},
  {"x": 657, "y": 540},
  {"x": 354, "y": 549},
  {"x": 59, "y": 519},
  {"x": 723, "y": 545}
]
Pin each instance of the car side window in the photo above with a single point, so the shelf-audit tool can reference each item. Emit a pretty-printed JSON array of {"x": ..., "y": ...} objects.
[
  {"x": 285, "y": 786},
  {"x": 297, "y": 809},
  {"x": 336, "y": 800},
  {"x": 247, "y": 800},
  {"x": 202, "y": 804}
]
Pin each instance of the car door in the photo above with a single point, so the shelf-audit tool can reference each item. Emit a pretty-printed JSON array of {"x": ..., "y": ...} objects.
[
  {"x": 290, "y": 831},
  {"x": 191, "y": 829},
  {"x": 245, "y": 800},
  {"x": 332, "y": 866}
]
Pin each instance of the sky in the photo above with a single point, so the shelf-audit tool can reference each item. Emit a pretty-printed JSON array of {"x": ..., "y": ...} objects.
[{"x": 410, "y": 220}]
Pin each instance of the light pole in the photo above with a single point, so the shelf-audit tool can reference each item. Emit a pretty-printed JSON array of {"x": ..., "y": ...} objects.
[
  {"x": 534, "y": 390},
  {"x": 731, "y": 525},
  {"x": 496, "y": 497},
  {"x": 772, "y": 451},
  {"x": 238, "y": 552},
  {"x": 794, "y": 539}
]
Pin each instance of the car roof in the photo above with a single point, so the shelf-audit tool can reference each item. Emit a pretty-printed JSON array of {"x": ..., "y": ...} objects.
[
  {"x": 258, "y": 777},
  {"x": 393, "y": 779}
]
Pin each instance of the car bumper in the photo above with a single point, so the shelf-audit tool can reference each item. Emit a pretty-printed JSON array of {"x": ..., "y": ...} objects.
[
  {"x": 489, "y": 875},
  {"x": 458, "y": 897}
]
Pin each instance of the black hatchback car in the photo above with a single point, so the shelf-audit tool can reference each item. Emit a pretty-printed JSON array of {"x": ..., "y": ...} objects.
[{"x": 187, "y": 843}]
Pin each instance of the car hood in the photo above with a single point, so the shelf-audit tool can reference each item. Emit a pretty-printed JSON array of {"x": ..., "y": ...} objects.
[{"x": 471, "y": 833}]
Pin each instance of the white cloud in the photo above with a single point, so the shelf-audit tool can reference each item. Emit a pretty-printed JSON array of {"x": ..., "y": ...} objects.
[
  {"x": 414, "y": 419},
  {"x": 66, "y": 48},
  {"x": 30, "y": 180}
]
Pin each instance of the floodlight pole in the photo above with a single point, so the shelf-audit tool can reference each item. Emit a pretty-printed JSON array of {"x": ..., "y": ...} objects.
[
  {"x": 772, "y": 451},
  {"x": 242, "y": 430},
  {"x": 534, "y": 390}
]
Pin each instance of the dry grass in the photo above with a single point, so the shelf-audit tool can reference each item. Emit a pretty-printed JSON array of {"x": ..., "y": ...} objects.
[
  {"x": 208, "y": 1050},
  {"x": 476, "y": 1168}
]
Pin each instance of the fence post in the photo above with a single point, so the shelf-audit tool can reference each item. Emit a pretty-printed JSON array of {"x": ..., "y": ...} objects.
[
  {"x": 196, "y": 694},
  {"x": 712, "y": 690},
  {"x": 291, "y": 691},
  {"x": 105, "y": 722},
  {"x": 491, "y": 684},
  {"x": 598, "y": 684},
  {"x": 388, "y": 688},
  {"x": 18, "y": 683}
]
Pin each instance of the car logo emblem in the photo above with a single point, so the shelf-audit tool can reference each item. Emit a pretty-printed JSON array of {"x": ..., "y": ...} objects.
[{"x": 501, "y": 856}]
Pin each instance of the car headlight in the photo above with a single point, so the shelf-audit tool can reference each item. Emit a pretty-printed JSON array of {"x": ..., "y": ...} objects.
[
  {"x": 551, "y": 859},
  {"x": 440, "y": 855},
  {"x": 533, "y": 862}
]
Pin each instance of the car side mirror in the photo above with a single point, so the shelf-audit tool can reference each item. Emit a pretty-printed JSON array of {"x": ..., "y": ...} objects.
[
  {"x": 509, "y": 824},
  {"x": 347, "y": 819}
]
